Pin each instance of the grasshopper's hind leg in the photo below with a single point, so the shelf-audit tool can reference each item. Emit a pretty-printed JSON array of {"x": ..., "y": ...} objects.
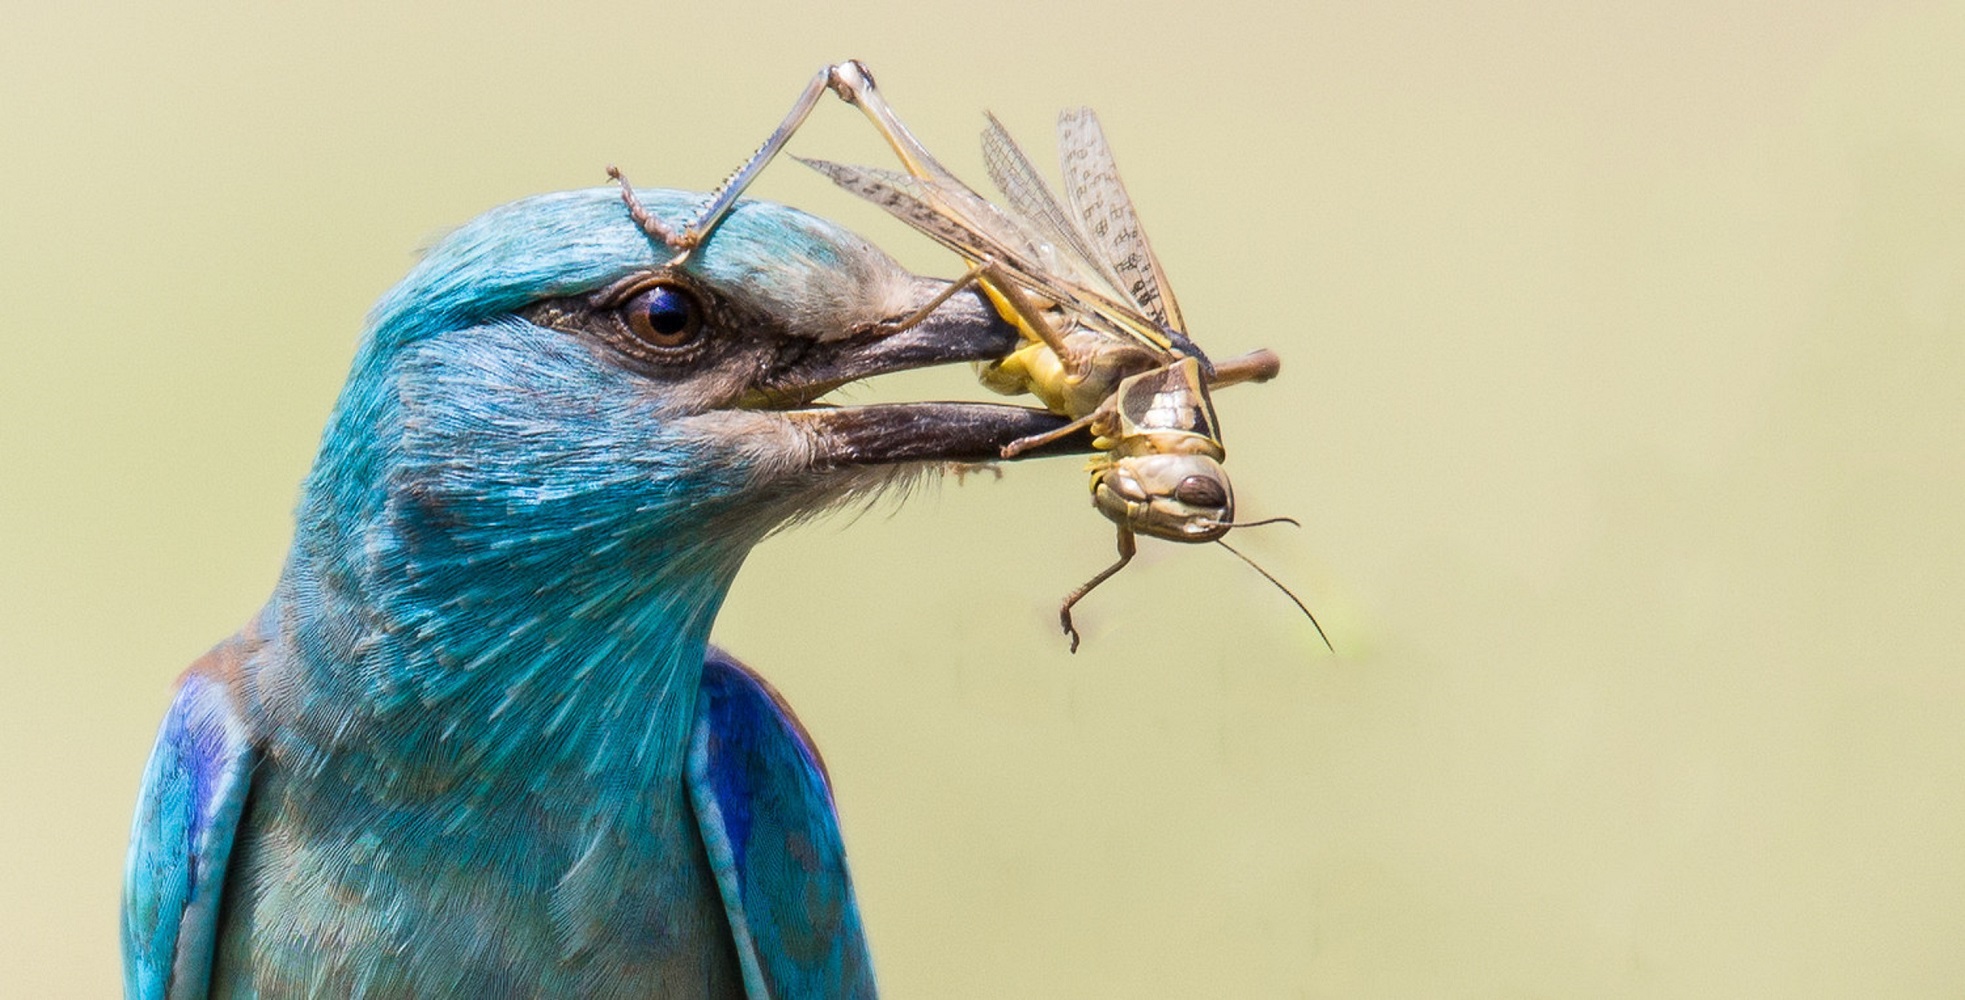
[
  {"x": 913, "y": 319},
  {"x": 1128, "y": 547}
]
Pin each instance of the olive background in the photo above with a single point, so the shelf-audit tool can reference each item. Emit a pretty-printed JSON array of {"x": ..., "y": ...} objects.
[{"x": 1620, "y": 406}]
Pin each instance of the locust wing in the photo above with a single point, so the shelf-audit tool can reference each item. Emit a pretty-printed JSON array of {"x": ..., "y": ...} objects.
[
  {"x": 907, "y": 198},
  {"x": 1096, "y": 193},
  {"x": 947, "y": 212},
  {"x": 1033, "y": 202},
  {"x": 950, "y": 213}
]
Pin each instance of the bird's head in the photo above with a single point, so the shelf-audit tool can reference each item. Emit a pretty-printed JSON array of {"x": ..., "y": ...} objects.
[
  {"x": 555, "y": 449},
  {"x": 544, "y": 397}
]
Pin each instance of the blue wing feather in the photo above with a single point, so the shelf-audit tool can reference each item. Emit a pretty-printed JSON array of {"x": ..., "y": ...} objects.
[
  {"x": 765, "y": 809},
  {"x": 194, "y": 789}
]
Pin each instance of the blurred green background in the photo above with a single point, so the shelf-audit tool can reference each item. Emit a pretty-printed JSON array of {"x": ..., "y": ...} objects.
[{"x": 1621, "y": 407}]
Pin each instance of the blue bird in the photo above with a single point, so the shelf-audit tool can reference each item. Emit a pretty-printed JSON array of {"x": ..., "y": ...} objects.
[{"x": 477, "y": 743}]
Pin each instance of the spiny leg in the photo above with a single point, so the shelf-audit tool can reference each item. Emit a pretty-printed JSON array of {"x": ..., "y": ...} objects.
[
  {"x": 726, "y": 195},
  {"x": 841, "y": 79},
  {"x": 854, "y": 84},
  {"x": 1127, "y": 549}
]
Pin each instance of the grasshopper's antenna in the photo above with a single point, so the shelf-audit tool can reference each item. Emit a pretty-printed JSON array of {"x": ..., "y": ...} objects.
[
  {"x": 1279, "y": 586},
  {"x": 1292, "y": 522}
]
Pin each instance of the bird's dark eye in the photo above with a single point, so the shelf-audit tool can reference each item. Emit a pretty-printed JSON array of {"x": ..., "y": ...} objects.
[{"x": 664, "y": 316}]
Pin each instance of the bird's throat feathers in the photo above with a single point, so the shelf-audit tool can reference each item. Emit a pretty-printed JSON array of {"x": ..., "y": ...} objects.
[{"x": 512, "y": 561}]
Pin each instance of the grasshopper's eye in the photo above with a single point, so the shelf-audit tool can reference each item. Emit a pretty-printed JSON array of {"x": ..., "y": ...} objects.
[
  {"x": 665, "y": 316},
  {"x": 1201, "y": 491}
]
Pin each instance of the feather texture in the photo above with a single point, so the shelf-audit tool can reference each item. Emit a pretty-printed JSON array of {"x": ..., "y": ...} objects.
[{"x": 465, "y": 717}]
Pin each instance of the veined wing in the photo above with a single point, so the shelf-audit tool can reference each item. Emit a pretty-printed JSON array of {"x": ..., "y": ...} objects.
[
  {"x": 942, "y": 192},
  {"x": 932, "y": 208},
  {"x": 1093, "y": 187},
  {"x": 1009, "y": 233},
  {"x": 894, "y": 192},
  {"x": 1038, "y": 208},
  {"x": 960, "y": 220}
]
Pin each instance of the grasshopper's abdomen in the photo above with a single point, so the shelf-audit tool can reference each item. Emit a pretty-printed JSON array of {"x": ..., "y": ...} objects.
[{"x": 1100, "y": 363}]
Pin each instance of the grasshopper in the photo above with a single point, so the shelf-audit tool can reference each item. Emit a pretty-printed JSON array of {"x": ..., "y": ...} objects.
[{"x": 1105, "y": 341}]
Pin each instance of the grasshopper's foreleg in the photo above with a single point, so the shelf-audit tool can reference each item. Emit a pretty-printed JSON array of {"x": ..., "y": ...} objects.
[
  {"x": 1023, "y": 444},
  {"x": 1128, "y": 547}
]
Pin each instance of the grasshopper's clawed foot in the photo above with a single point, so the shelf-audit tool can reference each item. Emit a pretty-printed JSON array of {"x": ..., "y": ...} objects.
[
  {"x": 1128, "y": 547},
  {"x": 963, "y": 470},
  {"x": 1064, "y": 619},
  {"x": 649, "y": 224}
]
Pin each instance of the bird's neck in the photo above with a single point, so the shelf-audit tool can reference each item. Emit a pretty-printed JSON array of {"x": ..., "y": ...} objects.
[
  {"x": 428, "y": 665},
  {"x": 516, "y": 590}
]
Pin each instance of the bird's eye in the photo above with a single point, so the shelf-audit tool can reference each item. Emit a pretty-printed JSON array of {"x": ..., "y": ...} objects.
[{"x": 664, "y": 316}]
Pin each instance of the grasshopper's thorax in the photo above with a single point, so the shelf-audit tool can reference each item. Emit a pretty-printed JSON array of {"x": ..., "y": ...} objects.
[{"x": 1163, "y": 411}]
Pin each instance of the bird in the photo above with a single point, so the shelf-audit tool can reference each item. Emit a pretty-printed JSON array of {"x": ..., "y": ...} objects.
[{"x": 477, "y": 742}]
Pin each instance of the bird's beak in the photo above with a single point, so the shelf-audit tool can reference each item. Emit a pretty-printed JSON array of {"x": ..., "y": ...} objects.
[{"x": 962, "y": 327}]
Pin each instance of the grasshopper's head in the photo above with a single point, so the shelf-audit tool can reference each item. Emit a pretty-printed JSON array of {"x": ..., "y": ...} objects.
[{"x": 1178, "y": 497}]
